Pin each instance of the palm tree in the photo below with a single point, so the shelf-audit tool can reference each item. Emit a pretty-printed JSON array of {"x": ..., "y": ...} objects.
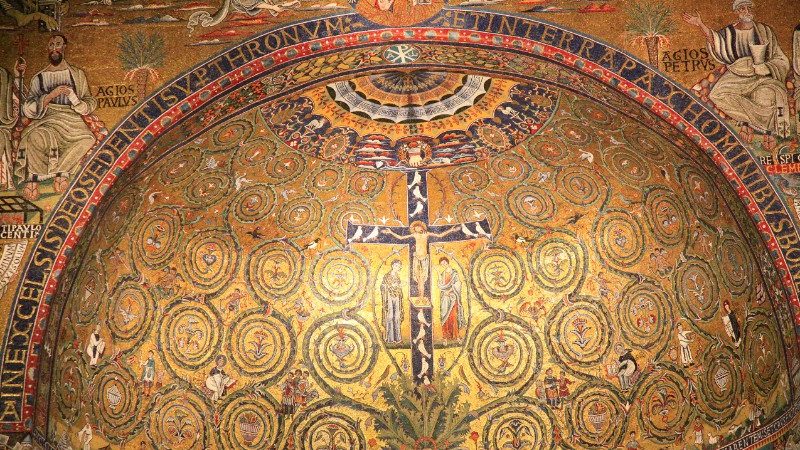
[
  {"x": 649, "y": 24},
  {"x": 140, "y": 56}
]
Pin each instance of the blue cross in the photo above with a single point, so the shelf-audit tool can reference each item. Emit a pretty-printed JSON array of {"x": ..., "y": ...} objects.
[{"x": 419, "y": 286}]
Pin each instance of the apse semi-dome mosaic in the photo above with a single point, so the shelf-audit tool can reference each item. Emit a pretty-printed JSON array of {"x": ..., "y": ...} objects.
[{"x": 451, "y": 247}]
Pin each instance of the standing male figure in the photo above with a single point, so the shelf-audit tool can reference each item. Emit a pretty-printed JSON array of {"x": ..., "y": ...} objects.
[
  {"x": 58, "y": 136},
  {"x": 148, "y": 373},
  {"x": 753, "y": 90},
  {"x": 684, "y": 341},
  {"x": 287, "y": 401},
  {"x": 86, "y": 434},
  {"x": 551, "y": 388}
]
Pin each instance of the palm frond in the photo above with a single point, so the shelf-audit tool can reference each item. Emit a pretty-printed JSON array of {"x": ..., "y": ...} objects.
[
  {"x": 647, "y": 19},
  {"x": 140, "y": 50}
]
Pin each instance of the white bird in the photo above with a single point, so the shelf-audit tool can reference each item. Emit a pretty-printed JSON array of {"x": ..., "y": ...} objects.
[
  {"x": 424, "y": 351},
  {"x": 467, "y": 231},
  {"x": 587, "y": 156},
  {"x": 480, "y": 230},
  {"x": 420, "y": 336},
  {"x": 417, "y": 210},
  {"x": 421, "y": 319},
  {"x": 507, "y": 110},
  {"x": 614, "y": 141},
  {"x": 127, "y": 315},
  {"x": 416, "y": 181},
  {"x": 423, "y": 370},
  {"x": 372, "y": 235},
  {"x": 543, "y": 176},
  {"x": 152, "y": 197},
  {"x": 211, "y": 164},
  {"x": 241, "y": 181},
  {"x": 356, "y": 236},
  {"x": 316, "y": 124},
  {"x": 418, "y": 195}
]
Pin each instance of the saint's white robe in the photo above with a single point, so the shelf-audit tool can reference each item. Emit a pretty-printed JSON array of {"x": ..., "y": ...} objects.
[
  {"x": 758, "y": 100},
  {"x": 216, "y": 382},
  {"x": 686, "y": 351},
  {"x": 796, "y": 60},
  {"x": 57, "y": 137},
  {"x": 9, "y": 111},
  {"x": 85, "y": 436}
]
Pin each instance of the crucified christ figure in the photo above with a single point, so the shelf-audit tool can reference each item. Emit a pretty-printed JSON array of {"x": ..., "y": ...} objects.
[{"x": 420, "y": 269}]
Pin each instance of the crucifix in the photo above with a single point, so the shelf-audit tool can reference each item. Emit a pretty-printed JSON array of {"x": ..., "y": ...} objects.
[{"x": 418, "y": 235}]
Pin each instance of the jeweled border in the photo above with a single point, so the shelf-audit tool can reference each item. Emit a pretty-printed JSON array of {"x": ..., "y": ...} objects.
[{"x": 202, "y": 84}]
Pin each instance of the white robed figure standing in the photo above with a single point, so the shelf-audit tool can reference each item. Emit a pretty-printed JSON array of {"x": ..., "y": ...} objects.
[
  {"x": 753, "y": 90},
  {"x": 85, "y": 435},
  {"x": 684, "y": 341},
  {"x": 57, "y": 137}
]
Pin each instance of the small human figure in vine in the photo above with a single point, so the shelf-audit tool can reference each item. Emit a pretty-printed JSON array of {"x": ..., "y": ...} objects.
[
  {"x": 218, "y": 381},
  {"x": 148, "y": 373},
  {"x": 684, "y": 341},
  {"x": 731, "y": 324},
  {"x": 287, "y": 399}
]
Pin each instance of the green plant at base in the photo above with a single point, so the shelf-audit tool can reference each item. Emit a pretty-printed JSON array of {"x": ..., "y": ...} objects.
[{"x": 423, "y": 416}]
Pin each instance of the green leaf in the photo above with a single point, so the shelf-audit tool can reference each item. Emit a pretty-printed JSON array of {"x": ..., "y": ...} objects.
[
  {"x": 423, "y": 412},
  {"x": 647, "y": 19},
  {"x": 140, "y": 50}
]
